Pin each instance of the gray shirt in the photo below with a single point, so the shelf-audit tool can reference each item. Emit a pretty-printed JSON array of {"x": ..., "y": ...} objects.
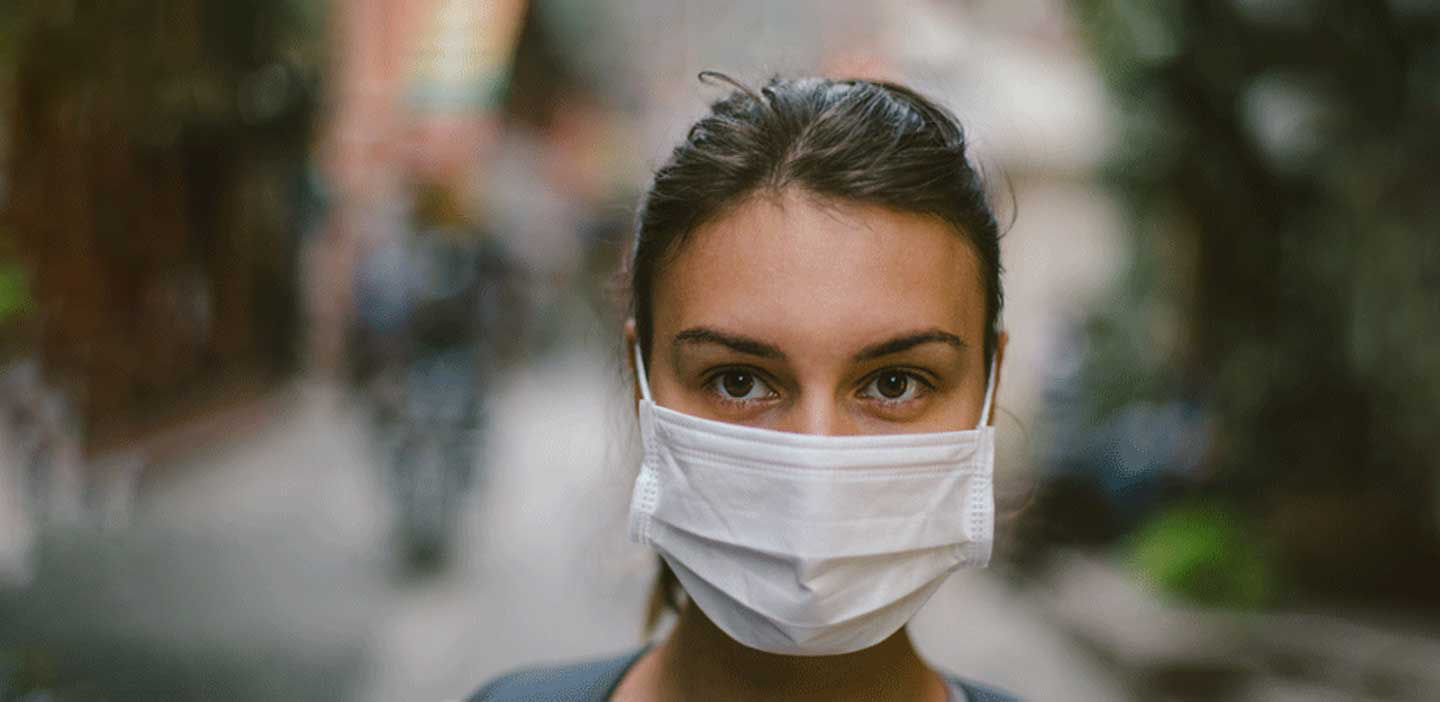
[{"x": 595, "y": 681}]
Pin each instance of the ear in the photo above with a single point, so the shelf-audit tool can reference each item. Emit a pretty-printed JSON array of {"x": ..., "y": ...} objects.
[
  {"x": 630, "y": 339},
  {"x": 1002, "y": 339}
]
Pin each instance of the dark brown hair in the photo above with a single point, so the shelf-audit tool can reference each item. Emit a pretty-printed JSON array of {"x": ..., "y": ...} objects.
[
  {"x": 862, "y": 141},
  {"x": 870, "y": 142}
]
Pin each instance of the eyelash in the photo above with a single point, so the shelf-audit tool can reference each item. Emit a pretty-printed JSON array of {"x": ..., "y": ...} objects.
[{"x": 924, "y": 385}]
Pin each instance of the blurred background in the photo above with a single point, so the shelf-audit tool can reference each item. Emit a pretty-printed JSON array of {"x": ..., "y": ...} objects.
[{"x": 310, "y": 377}]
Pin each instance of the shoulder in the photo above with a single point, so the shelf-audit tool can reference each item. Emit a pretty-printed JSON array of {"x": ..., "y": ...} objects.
[
  {"x": 574, "y": 682},
  {"x": 977, "y": 692}
]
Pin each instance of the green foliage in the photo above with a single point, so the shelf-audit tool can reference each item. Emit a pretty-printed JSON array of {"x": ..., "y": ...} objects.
[
  {"x": 1277, "y": 162},
  {"x": 1200, "y": 553}
]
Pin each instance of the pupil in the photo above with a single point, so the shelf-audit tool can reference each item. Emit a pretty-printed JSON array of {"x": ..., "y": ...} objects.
[
  {"x": 738, "y": 384},
  {"x": 893, "y": 385}
]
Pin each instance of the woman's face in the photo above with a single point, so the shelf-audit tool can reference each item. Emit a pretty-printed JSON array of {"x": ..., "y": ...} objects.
[{"x": 820, "y": 317}]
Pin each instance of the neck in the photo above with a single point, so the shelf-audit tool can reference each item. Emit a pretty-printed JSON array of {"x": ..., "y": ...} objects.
[{"x": 700, "y": 660}]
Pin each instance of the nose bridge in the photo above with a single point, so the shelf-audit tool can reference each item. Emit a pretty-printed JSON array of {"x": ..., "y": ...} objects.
[{"x": 820, "y": 412}]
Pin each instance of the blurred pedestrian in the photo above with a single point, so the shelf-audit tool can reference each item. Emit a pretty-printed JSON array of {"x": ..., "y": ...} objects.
[{"x": 433, "y": 317}]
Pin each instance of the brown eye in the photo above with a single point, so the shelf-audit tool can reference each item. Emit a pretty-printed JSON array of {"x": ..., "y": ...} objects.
[
  {"x": 892, "y": 385},
  {"x": 737, "y": 384}
]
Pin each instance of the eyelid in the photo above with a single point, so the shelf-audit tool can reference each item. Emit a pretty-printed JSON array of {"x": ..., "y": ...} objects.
[
  {"x": 922, "y": 376},
  {"x": 714, "y": 371}
]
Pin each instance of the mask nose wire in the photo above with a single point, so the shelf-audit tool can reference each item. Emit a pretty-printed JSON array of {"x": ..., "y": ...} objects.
[{"x": 640, "y": 374}]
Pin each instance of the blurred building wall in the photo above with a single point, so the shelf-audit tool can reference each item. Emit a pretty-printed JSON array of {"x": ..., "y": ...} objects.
[{"x": 155, "y": 183}]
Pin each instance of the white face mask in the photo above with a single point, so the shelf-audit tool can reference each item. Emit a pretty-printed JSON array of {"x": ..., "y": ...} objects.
[{"x": 804, "y": 544}]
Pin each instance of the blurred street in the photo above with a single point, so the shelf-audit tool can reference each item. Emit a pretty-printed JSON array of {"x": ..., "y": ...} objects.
[{"x": 274, "y": 273}]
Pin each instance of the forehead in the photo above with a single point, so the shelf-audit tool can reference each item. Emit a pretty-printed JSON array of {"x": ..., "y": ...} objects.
[{"x": 807, "y": 271}]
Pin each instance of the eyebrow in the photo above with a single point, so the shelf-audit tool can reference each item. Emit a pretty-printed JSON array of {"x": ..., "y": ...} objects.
[
  {"x": 735, "y": 342},
  {"x": 755, "y": 347},
  {"x": 908, "y": 341}
]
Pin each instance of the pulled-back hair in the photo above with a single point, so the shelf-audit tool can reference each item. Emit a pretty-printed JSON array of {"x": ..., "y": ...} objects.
[{"x": 859, "y": 141}]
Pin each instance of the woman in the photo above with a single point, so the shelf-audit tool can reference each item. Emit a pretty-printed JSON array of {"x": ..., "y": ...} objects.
[{"x": 815, "y": 340}]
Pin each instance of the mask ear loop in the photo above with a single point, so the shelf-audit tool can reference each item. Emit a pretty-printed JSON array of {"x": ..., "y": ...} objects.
[
  {"x": 989, "y": 397},
  {"x": 640, "y": 375},
  {"x": 990, "y": 380}
]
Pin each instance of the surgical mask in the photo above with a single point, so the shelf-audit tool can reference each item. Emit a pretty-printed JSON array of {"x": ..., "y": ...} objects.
[{"x": 804, "y": 544}]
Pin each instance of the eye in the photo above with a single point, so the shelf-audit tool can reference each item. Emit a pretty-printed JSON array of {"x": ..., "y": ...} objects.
[
  {"x": 739, "y": 385},
  {"x": 894, "y": 386}
]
